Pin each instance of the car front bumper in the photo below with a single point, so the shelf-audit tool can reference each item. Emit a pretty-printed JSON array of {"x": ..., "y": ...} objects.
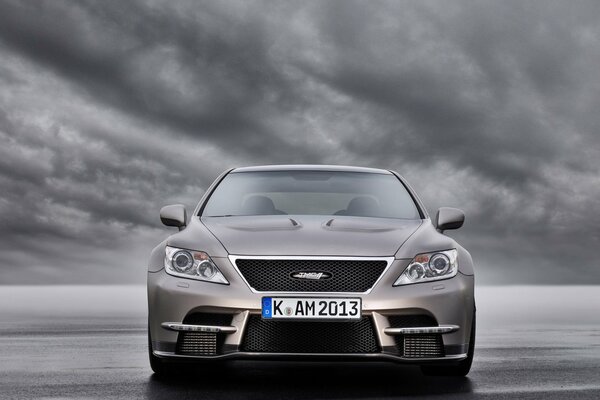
[{"x": 449, "y": 303}]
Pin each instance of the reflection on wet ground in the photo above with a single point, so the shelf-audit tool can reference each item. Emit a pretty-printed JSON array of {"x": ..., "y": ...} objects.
[{"x": 57, "y": 351}]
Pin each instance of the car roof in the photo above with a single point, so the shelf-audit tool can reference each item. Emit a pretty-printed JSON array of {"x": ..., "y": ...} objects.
[{"x": 310, "y": 167}]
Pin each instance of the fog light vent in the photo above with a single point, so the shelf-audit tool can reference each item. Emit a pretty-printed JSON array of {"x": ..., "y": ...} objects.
[
  {"x": 423, "y": 346},
  {"x": 197, "y": 344}
]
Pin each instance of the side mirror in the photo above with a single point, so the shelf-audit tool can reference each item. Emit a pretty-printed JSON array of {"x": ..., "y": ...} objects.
[
  {"x": 449, "y": 218},
  {"x": 174, "y": 215}
]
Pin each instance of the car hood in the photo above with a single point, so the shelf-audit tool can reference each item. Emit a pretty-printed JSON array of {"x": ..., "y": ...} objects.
[{"x": 302, "y": 235}]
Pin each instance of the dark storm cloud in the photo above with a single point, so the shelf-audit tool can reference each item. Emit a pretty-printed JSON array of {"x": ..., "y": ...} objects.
[
  {"x": 109, "y": 110},
  {"x": 468, "y": 90},
  {"x": 110, "y": 50}
]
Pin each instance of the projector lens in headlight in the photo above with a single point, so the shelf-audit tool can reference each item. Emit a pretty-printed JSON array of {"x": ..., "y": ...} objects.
[
  {"x": 206, "y": 269},
  {"x": 439, "y": 264},
  {"x": 182, "y": 261},
  {"x": 416, "y": 271}
]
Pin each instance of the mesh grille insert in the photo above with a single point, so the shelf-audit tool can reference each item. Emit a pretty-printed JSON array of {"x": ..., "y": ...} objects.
[
  {"x": 310, "y": 336},
  {"x": 266, "y": 275}
]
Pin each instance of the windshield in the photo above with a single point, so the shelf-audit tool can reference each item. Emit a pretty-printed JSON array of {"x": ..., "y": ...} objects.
[{"x": 311, "y": 193}]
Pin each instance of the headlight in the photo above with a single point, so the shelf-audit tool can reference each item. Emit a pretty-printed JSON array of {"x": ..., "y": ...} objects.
[
  {"x": 193, "y": 265},
  {"x": 429, "y": 267}
]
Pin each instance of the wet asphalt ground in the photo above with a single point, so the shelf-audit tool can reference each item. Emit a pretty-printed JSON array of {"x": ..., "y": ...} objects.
[{"x": 90, "y": 342}]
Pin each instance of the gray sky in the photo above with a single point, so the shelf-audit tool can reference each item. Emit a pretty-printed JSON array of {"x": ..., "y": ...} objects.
[{"x": 111, "y": 109}]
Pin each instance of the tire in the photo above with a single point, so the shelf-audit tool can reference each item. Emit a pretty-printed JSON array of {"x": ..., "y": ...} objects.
[
  {"x": 462, "y": 368},
  {"x": 158, "y": 365}
]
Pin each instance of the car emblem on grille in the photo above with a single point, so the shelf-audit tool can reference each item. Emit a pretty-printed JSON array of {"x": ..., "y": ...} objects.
[{"x": 313, "y": 276}]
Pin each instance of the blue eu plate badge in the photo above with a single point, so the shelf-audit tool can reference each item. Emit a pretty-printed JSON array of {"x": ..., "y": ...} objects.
[{"x": 266, "y": 307}]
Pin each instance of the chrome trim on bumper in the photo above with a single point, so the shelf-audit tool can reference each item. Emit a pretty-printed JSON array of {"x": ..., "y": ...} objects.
[
  {"x": 349, "y": 357},
  {"x": 421, "y": 330},
  {"x": 174, "y": 326}
]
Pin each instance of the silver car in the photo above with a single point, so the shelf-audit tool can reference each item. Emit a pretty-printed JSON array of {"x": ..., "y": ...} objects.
[{"x": 306, "y": 262}]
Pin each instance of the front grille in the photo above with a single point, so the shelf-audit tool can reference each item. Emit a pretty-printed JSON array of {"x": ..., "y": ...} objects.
[
  {"x": 417, "y": 346},
  {"x": 196, "y": 344},
  {"x": 310, "y": 336},
  {"x": 267, "y": 275},
  {"x": 202, "y": 343}
]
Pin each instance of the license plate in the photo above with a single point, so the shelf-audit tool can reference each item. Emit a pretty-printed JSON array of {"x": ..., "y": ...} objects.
[{"x": 311, "y": 308}]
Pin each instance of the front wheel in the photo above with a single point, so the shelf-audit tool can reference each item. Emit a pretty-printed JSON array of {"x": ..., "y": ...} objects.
[
  {"x": 158, "y": 365},
  {"x": 462, "y": 368}
]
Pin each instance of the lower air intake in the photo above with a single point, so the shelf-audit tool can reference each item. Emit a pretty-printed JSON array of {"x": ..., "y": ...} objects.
[
  {"x": 202, "y": 343},
  {"x": 417, "y": 346},
  {"x": 423, "y": 346},
  {"x": 196, "y": 344},
  {"x": 318, "y": 337}
]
